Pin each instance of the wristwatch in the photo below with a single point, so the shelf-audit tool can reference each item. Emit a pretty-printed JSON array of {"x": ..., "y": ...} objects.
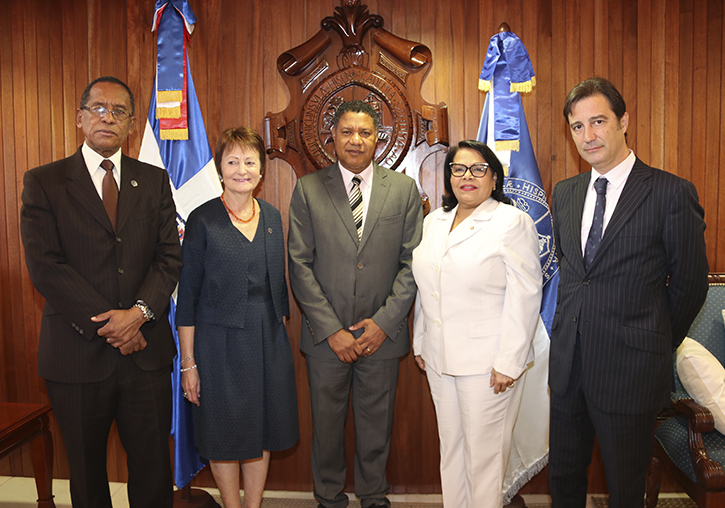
[{"x": 148, "y": 314}]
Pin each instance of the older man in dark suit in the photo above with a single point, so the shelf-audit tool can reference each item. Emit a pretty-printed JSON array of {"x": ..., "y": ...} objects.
[
  {"x": 631, "y": 250},
  {"x": 353, "y": 228},
  {"x": 101, "y": 246}
]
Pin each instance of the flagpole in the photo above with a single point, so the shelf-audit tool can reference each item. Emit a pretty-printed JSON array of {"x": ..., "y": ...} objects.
[{"x": 175, "y": 139}]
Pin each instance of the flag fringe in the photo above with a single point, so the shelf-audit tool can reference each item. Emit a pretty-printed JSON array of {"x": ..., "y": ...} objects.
[
  {"x": 174, "y": 134},
  {"x": 484, "y": 85},
  {"x": 169, "y": 96},
  {"x": 511, "y": 144},
  {"x": 526, "y": 86},
  {"x": 174, "y": 112}
]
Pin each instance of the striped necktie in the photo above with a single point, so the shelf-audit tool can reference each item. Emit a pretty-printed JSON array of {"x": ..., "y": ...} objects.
[{"x": 356, "y": 204}]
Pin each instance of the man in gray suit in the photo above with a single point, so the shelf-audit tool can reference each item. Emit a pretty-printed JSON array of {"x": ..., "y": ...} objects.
[
  {"x": 353, "y": 227},
  {"x": 631, "y": 249}
]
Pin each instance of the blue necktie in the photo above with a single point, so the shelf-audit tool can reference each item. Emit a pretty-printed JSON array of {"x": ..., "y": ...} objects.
[{"x": 596, "y": 232}]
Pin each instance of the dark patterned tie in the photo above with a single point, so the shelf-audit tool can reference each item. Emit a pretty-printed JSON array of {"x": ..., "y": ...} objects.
[
  {"x": 356, "y": 204},
  {"x": 595, "y": 233},
  {"x": 110, "y": 192}
]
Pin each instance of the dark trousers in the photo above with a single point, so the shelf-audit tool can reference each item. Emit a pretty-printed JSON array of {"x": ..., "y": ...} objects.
[
  {"x": 140, "y": 402},
  {"x": 374, "y": 383},
  {"x": 625, "y": 441}
]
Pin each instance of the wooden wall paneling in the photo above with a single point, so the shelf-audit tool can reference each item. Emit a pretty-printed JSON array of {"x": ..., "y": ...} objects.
[
  {"x": 628, "y": 86},
  {"x": 466, "y": 23},
  {"x": 642, "y": 119},
  {"x": 671, "y": 34},
  {"x": 235, "y": 76},
  {"x": 20, "y": 125},
  {"x": 5, "y": 379},
  {"x": 719, "y": 214},
  {"x": 615, "y": 46},
  {"x": 659, "y": 83},
  {"x": 206, "y": 53},
  {"x": 699, "y": 104},
  {"x": 54, "y": 132},
  {"x": 683, "y": 119},
  {"x": 455, "y": 53},
  {"x": 530, "y": 37},
  {"x": 542, "y": 96},
  {"x": 589, "y": 44},
  {"x": 710, "y": 193},
  {"x": 601, "y": 37}
]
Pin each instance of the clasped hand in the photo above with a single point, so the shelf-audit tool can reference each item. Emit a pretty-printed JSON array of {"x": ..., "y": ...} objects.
[
  {"x": 122, "y": 330},
  {"x": 348, "y": 350}
]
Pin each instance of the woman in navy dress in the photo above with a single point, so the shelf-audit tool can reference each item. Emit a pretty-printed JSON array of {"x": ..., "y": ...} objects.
[{"x": 230, "y": 317}]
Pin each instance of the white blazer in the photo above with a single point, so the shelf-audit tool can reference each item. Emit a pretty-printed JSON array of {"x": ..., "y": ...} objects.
[{"x": 479, "y": 291}]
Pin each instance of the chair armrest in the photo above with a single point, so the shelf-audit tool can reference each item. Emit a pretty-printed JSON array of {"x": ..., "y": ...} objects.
[{"x": 699, "y": 419}]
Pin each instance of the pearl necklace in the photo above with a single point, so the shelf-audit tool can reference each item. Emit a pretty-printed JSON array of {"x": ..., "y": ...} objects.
[{"x": 238, "y": 219}]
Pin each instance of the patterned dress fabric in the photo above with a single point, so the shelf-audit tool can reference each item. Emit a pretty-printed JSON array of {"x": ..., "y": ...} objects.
[{"x": 248, "y": 390}]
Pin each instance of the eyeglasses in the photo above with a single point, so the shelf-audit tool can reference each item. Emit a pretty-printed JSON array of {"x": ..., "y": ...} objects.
[
  {"x": 478, "y": 170},
  {"x": 101, "y": 111}
]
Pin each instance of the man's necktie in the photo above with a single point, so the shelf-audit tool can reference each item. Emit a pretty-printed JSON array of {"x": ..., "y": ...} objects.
[
  {"x": 597, "y": 229},
  {"x": 356, "y": 204},
  {"x": 110, "y": 192}
]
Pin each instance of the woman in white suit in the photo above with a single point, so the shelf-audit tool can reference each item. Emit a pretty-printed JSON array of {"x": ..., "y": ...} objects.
[{"x": 479, "y": 294}]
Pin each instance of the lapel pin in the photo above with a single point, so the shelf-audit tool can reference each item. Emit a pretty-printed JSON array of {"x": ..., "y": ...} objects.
[
  {"x": 134, "y": 183},
  {"x": 269, "y": 230}
]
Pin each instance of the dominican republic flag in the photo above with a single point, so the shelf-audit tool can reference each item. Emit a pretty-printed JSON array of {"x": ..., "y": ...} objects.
[
  {"x": 186, "y": 156},
  {"x": 506, "y": 73}
]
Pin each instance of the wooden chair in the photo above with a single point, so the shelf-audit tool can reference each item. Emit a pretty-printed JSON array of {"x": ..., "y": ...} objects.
[{"x": 687, "y": 444}]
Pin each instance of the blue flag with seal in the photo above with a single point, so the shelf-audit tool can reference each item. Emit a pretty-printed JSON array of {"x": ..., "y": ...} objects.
[
  {"x": 188, "y": 160},
  {"x": 506, "y": 73}
]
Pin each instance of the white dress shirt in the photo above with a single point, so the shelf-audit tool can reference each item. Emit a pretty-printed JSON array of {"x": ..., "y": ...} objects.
[
  {"x": 366, "y": 185},
  {"x": 616, "y": 178},
  {"x": 93, "y": 163}
]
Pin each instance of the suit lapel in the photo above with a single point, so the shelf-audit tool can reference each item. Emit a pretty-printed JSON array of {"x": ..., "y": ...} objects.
[
  {"x": 441, "y": 232},
  {"x": 131, "y": 187},
  {"x": 578, "y": 195},
  {"x": 338, "y": 196},
  {"x": 81, "y": 188},
  {"x": 636, "y": 189},
  {"x": 378, "y": 196},
  {"x": 468, "y": 228}
]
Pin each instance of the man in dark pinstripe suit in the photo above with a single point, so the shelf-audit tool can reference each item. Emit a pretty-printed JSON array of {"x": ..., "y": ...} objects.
[
  {"x": 101, "y": 245},
  {"x": 633, "y": 277}
]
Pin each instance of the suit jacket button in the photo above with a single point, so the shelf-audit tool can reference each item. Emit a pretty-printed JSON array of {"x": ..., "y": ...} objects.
[
  {"x": 586, "y": 282},
  {"x": 120, "y": 271},
  {"x": 360, "y": 266},
  {"x": 80, "y": 331},
  {"x": 573, "y": 318},
  {"x": 120, "y": 305},
  {"x": 118, "y": 239}
]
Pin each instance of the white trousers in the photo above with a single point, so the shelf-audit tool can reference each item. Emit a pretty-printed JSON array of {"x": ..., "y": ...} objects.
[{"x": 474, "y": 427}]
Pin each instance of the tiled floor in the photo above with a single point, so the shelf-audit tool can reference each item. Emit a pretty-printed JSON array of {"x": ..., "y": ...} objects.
[{"x": 20, "y": 493}]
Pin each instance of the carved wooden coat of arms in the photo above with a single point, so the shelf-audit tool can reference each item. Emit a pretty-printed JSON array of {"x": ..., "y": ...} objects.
[{"x": 367, "y": 63}]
